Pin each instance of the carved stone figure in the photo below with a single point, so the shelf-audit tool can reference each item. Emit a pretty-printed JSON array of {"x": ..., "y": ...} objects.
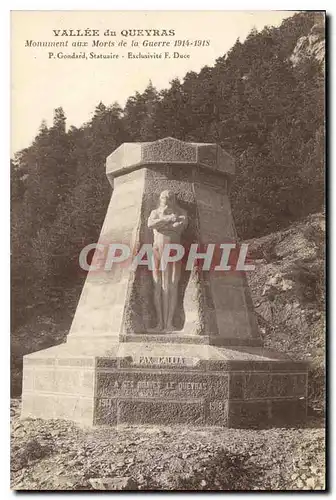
[{"x": 168, "y": 221}]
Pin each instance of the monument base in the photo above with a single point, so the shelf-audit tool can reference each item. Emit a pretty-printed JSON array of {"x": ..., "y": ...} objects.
[{"x": 156, "y": 383}]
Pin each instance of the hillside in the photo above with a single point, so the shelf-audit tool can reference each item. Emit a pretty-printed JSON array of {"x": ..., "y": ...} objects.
[
  {"x": 311, "y": 45},
  {"x": 288, "y": 292}
]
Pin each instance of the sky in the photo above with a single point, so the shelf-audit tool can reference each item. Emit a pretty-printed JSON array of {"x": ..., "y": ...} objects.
[{"x": 40, "y": 83}]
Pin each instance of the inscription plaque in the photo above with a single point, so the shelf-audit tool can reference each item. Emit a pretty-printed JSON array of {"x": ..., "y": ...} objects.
[
  {"x": 165, "y": 360},
  {"x": 156, "y": 389}
]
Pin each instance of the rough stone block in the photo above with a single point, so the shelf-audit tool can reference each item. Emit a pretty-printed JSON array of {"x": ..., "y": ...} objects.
[
  {"x": 159, "y": 412},
  {"x": 249, "y": 414}
]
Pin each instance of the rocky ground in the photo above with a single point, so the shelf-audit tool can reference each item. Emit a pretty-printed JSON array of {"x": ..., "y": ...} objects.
[
  {"x": 288, "y": 292},
  {"x": 58, "y": 455}
]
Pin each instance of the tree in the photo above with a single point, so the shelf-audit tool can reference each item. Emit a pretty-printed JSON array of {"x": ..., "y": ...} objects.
[{"x": 140, "y": 115}]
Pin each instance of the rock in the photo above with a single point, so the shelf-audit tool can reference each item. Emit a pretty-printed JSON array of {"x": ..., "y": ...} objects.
[
  {"x": 312, "y": 45},
  {"x": 299, "y": 484},
  {"x": 66, "y": 482},
  {"x": 310, "y": 482},
  {"x": 115, "y": 483},
  {"x": 120, "y": 463},
  {"x": 287, "y": 290}
]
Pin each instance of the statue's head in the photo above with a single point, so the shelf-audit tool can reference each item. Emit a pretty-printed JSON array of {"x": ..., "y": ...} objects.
[{"x": 167, "y": 198}]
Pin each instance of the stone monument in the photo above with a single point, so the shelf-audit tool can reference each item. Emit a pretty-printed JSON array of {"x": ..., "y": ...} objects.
[{"x": 165, "y": 343}]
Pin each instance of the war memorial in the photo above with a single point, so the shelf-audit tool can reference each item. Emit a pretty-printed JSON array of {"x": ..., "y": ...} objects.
[{"x": 174, "y": 344}]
